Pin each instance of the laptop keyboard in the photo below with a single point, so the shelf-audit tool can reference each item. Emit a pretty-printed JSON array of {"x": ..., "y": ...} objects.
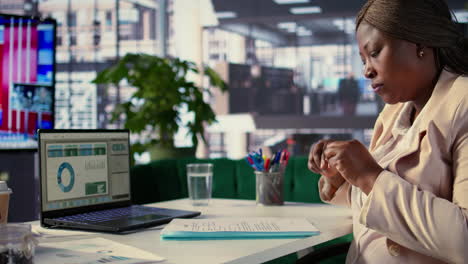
[{"x": 113, "y": 214}]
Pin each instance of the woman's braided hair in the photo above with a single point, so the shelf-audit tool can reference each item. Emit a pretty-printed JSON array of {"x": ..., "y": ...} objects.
[{"x": 425, "y": 22}]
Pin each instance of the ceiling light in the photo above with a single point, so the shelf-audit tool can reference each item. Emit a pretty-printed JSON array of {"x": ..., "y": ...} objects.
[
  {"x": 305, "y": 10},
  {"x": 286, "y": 25},
  {"x": 226, "y": 14},
  {"x": 304, "y": 33},
  {"x": 288, "y": 2}
]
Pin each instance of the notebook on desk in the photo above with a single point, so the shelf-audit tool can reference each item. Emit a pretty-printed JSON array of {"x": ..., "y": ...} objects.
[
  {"x": 85, "y": 183},
  {"x": 239, "y": 228}
]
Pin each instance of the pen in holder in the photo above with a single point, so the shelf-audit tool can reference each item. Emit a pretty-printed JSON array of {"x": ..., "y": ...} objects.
[{"x": 269, "y": 187}]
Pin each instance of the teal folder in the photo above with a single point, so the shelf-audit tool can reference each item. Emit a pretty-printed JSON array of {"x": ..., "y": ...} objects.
[{"x": 238, "y": 228}]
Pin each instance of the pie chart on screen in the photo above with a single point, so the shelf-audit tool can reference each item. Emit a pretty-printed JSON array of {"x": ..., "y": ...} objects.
[{"x": 65, "y": 175}]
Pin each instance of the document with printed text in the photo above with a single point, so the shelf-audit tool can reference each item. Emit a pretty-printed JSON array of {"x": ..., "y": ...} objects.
[
  {"x": 238, "y": 228},
  {"x": 92, "y": 251}
]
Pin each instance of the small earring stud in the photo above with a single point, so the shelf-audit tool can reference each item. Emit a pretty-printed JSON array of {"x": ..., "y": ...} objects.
[{"x": 421, "y": 53}]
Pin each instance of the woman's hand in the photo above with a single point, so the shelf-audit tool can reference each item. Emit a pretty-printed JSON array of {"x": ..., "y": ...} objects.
[
  {"x": 354, "y": 162},
  {"x": 318, "y": 164}
]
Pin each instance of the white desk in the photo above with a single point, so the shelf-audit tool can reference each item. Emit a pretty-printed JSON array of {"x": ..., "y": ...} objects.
[{"x": 332, "y": 221}]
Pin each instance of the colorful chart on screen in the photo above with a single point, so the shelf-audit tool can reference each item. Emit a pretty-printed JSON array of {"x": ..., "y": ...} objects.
[{"x": 76, "y": 170}]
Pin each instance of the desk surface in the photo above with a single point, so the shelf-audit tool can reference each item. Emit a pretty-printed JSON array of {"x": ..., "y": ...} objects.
[{"x": 332, "y": 221}]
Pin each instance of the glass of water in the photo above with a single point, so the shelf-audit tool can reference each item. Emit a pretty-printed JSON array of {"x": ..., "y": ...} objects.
[{"x": 199, "y": 182}]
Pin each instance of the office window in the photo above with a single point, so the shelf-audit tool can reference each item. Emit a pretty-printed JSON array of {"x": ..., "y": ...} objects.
[
  {"x": 340, "y": 59},
  {"x": 214, "y": 44},
  {"x": 59, "y": 40},
  {"x": 108, "y": 18},
  {"x": 96, "y": 32},
  {"x": 72, "y": 19},
  {"x": 60, "y": 17},
  {"x": 125, "y": 36},
  {"x": 72, "y": 40},
  {"x": 153, "y": 24}
]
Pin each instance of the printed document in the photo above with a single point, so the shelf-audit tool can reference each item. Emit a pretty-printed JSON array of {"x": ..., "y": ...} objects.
[{"x": 92, "y": 251}]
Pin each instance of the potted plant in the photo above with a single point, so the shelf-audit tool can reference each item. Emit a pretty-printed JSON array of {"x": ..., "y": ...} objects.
[{"x": 162, "y": 92}]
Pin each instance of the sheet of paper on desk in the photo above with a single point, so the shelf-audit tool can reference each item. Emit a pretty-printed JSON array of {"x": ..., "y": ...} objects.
[
  {"x": 92, "y": 251},
  {"x": 238, "y": 228},
  {"x": 47, "y": 233}
]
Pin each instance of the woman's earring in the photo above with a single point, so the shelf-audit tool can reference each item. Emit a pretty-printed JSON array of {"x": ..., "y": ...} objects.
[{"x": 421, "y": 53}]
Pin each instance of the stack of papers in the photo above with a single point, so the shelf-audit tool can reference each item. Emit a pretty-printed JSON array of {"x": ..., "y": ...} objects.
[
  {"x": 92, "y": 251},
  {"x": 238, "y": 228}
]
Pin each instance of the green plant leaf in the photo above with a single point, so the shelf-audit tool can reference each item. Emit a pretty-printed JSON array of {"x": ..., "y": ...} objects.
[
  {"x": 162, "y": 90},
  {"x": 215, "y": 79}
]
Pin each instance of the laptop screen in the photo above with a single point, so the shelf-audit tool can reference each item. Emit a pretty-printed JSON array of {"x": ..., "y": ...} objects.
[{"x": 81, "y": 168}]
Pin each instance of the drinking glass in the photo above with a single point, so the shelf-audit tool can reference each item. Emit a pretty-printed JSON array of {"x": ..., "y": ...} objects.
[{"x": 199, "y": 182}]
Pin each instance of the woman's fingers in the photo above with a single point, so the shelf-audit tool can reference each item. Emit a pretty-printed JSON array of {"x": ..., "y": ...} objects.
[
  {"x": 354, "y": 162},
  {"x": 330, "y": 152},
  {"x": 323, "y": 160},
  {"x": 335, "y": 162},
  {"x": 335, "y": 148},
  {"x": 316, "y": 163},
  {"x": 330, "y": 171},
  {"x": 334, "y": 154},
  {"x": 311, "y": 162},
  {"x": 318, "y": 149}
]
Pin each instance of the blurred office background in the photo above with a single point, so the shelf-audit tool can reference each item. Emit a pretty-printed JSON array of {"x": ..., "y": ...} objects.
[{"x": 284, "y": 61}]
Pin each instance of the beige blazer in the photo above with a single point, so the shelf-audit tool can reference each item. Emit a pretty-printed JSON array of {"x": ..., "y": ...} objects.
[{"x": 419, "y": 203}]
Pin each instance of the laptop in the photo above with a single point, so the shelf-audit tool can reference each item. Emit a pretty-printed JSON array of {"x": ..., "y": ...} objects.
[{"x": 85, "y": 183}]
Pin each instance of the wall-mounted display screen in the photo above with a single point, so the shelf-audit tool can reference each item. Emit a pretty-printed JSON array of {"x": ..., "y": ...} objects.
[{"x": 27, "y": 79}]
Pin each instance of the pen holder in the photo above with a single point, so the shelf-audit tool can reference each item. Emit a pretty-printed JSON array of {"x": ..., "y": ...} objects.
[{"x": 269, "y": 188}]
